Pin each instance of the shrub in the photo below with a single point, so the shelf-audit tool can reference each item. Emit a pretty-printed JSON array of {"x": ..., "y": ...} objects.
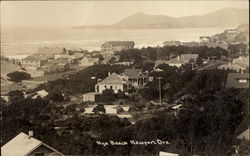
[{"x": 18, "y": 76}]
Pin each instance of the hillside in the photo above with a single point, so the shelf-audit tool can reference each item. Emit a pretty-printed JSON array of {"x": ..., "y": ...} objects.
[
  {"x": 7, "y": 67},
  {"x": 228, "y": 17},
  {"x": 221, "y": 18}
]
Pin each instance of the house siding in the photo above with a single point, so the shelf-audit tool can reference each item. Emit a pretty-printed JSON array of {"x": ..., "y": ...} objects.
[{"x": 45, "y": 150}]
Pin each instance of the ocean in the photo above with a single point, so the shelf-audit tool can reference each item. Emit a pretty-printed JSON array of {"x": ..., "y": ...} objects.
[{"x": 20, "y": 41}]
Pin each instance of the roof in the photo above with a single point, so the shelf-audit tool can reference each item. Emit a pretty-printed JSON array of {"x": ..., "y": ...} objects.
[
  {"x": 22, "y": 145},
  {"x": 192, "y": 43},
  {"x": 90, "y": 59},
  {"x": 231, "y": 66},
  {"x": 120, "y": 43},
  {"x": 92, "y": 93},
  {"x": 77, "y": 55},
  {"x": 113, "y": 79},
  {"x": 233, "y": 80},
  {"x": 177, "y": 106},
  {"x": 170, "y": 43},
  {"x": 167, "y": 154},
  {"x": 158, "y": 62},
  {"x": 244, "y": 135},
  {"x": 176, "y": 60},
  {"x": 64, "y": 56},
  {"x": 59, "y": 61},
  {"x": 220, "y": 44},
  {"x": 242, "y": 61},
  {"x": 42, "y": 93},
  {"x": 34, "y": 58},
  {"x": 50, "y": 50},
  {"x": 188, "y": 57},
  {"x": 133, "y": 73}
]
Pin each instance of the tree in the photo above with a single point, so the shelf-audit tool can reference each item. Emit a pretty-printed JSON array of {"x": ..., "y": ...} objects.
[
  {"x": 120, "y": 94},
  {"x": 112, "y": 60},
  {"x": 15, "y": 95},
  {"x": 56, "y": 97},
  {"x": 99, "y": 109},
  {"x": 18, "y": 76},
  {"x": 199, "y": 61},
  {"x": 101, "y": 58}
]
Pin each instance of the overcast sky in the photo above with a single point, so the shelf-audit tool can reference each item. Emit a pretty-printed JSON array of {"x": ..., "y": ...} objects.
[{"x": 101, "y": 12}]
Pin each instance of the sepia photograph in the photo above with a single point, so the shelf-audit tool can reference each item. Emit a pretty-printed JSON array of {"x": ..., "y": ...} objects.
[{"x": 125, "y": 78}]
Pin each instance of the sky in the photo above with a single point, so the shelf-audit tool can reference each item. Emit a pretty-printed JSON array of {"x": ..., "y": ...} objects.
[{"x": 102, "y": 12}]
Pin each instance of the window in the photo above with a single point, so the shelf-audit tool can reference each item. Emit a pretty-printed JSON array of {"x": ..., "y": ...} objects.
[
  {"x": 39, "y": 154},
  {"x": 242, "y": 80}
]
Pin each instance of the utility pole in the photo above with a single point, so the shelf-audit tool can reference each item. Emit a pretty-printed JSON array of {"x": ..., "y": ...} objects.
[{"x": 159, "y": 78}]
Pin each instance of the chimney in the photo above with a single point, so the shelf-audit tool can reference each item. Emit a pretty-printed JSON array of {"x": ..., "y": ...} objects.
[
  {"x": 108, "y": 73},
  {"x": 30, "y": 134},
  {"x": 178, "y": 57}
]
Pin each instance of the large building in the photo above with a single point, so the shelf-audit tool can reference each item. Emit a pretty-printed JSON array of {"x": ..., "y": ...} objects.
[
  {"x": 115, "y": 82},
  {"x": 49, "y": 52},
  {"x": 33, "y": 62},
  {"x": 114, "y": 46},
  {"x": 27, "y": 145}
]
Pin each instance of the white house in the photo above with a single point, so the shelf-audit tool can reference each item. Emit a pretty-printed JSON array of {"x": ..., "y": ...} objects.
[
  {"x": 88, "y": 61},
  {"x": 135, "y": 76},
  {"x": 41, "y": 93},
  {"x": 115, "y": 82},
  {"x": 27, "y": 145}
]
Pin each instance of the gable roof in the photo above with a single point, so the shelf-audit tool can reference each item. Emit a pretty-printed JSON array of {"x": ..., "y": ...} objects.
[
  {"x": 50, "y": 50},
  {"x": 22, "y": 145},
  {"x": 90, "y": 59},
  {"x": 176, "y": 60},
  {"x": 244, "y": 135},
  {"x": 120, "y": 43},
  {"x": 113, "y": 79},
  {"x": 133, "y": 73},
  {"x": 233, "y": 80}
]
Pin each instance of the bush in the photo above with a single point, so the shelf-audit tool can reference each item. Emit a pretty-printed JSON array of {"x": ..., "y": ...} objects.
[{"x": 18, "y": 76}]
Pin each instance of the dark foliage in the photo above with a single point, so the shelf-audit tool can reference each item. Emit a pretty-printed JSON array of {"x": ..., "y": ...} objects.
[{"x": 18, "y": 76}]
